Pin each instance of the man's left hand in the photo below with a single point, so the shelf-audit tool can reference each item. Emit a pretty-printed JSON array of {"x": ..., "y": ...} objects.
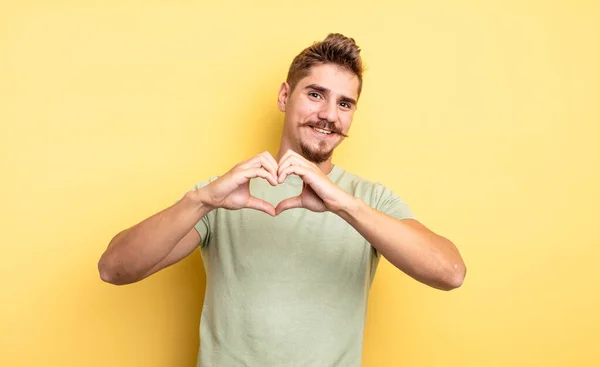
[{"x": 319, "y": 193}]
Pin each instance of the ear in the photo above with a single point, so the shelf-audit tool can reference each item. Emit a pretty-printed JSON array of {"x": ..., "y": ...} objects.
[{"x": 284, "y": 93}]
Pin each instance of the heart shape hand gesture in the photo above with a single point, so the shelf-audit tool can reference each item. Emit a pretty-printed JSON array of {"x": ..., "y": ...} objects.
[{"x": 232, "y": 190}]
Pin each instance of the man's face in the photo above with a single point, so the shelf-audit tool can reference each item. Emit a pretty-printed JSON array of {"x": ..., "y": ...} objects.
[{"x": 319, "y": 111}]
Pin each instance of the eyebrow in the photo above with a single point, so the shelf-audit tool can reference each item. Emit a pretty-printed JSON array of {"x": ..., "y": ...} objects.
[{"x": 326, "y": 91}]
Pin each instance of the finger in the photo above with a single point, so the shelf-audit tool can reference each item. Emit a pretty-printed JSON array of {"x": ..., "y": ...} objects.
[
  {"x": 287, "y": 154},
  {"x": 258, "y": 172},
  {"x": 291, "y": 160},
  {"x": 271, "y": 159},
  {"x": 301, "y": 158},
  {"x": 248, "y": 162},
  {"x": 254, "y": 159},
  {"x": 294, "y": 159},
  {"x": 282, "y": 167},
  {"x": 290, "y": 153},
  {"x": 262, "y": 160},
  {"x": 292, "y": 169},
  {"x": 252, "y": 162},
  {"x": 289, "y": 203},
  {"x": 269, "y": 165},
  {"x": 263, "y": 206}
]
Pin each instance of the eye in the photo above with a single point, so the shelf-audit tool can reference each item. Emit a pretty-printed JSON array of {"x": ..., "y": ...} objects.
[
  {"x": 346, "y": 105},
  {"x": 314, "y": 94}
]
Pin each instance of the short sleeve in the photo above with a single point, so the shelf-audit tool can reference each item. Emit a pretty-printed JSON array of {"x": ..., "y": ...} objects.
[
  {"x": 391, "y": 204},
  {"x": 203, "y": 225},
  {"x": 388, "y": 202}
]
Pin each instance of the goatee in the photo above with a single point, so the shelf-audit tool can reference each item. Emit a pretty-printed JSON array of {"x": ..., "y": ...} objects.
[{"x": 318, "y": 156}]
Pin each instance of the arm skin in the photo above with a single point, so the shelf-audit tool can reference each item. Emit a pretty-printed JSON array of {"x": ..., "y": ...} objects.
[{"x": 408, "y": 245}]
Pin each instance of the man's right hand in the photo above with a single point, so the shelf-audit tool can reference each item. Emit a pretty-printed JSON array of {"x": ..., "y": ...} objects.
[{"x": 232, "y": 190}]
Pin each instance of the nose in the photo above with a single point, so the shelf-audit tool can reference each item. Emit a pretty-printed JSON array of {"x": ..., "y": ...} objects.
[{"x": 329, "y": 112}]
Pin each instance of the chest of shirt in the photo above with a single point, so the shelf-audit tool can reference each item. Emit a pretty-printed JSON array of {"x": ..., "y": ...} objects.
[{"x": 298, "y": 245}]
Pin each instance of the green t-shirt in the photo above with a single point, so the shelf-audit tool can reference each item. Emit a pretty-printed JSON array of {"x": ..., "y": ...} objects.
[{"x": 289, "y": 290}]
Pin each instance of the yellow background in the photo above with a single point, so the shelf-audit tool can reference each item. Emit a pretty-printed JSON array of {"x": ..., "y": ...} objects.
[{"x": 483, "y": 116}]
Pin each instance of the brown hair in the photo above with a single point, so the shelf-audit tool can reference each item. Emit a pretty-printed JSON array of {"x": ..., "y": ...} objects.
[{"x": 335, "y": 49}]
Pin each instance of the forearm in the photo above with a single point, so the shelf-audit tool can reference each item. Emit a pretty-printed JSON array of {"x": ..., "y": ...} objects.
[
  {"x": 408, "y": 245},
  {"x": 136, "y": 250}
]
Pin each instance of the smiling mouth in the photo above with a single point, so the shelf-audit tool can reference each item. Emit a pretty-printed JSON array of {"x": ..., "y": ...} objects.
[{"x": 322, "y": 131}]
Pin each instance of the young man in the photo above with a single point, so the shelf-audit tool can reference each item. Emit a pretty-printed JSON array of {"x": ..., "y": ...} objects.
[{"x": 290, "y": 243}]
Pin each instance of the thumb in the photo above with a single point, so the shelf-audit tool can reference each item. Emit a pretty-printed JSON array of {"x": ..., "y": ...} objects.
[
  {"x": 258, "y": 204},
  {"x": 289, "y": 203}
]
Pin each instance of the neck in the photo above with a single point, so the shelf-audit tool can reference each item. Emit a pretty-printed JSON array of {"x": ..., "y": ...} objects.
[{"x": 325, "y": 167}]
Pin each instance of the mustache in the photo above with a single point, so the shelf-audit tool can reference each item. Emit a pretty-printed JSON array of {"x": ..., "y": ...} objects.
[{"x": 323, "y": 124}]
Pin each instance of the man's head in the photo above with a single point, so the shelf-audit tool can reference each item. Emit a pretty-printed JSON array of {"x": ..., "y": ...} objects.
[{"x": 320, "y": 95}]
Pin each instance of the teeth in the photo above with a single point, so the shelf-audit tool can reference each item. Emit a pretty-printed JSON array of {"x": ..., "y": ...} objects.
[{"x": 322, "y": 131}]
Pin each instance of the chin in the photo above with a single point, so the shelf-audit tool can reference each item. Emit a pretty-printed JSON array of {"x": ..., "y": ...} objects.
[{"x": 315, "y": 155}]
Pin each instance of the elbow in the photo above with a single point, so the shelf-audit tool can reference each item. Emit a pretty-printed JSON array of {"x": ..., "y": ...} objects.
[
  {"x": 111, "y": 267},
  {"x": 107, "y": 274},
  {"x": 110, "y": 274},
  {"x": 455, "y": 277}
]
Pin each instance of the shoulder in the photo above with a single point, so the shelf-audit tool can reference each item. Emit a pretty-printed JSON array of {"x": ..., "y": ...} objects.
[
  {"x": 375, "y": 194},
  {"x": 372, "y": 192}
]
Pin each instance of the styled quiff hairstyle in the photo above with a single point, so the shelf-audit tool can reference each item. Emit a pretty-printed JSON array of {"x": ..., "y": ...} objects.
[{"x": 336, "y": 49}]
